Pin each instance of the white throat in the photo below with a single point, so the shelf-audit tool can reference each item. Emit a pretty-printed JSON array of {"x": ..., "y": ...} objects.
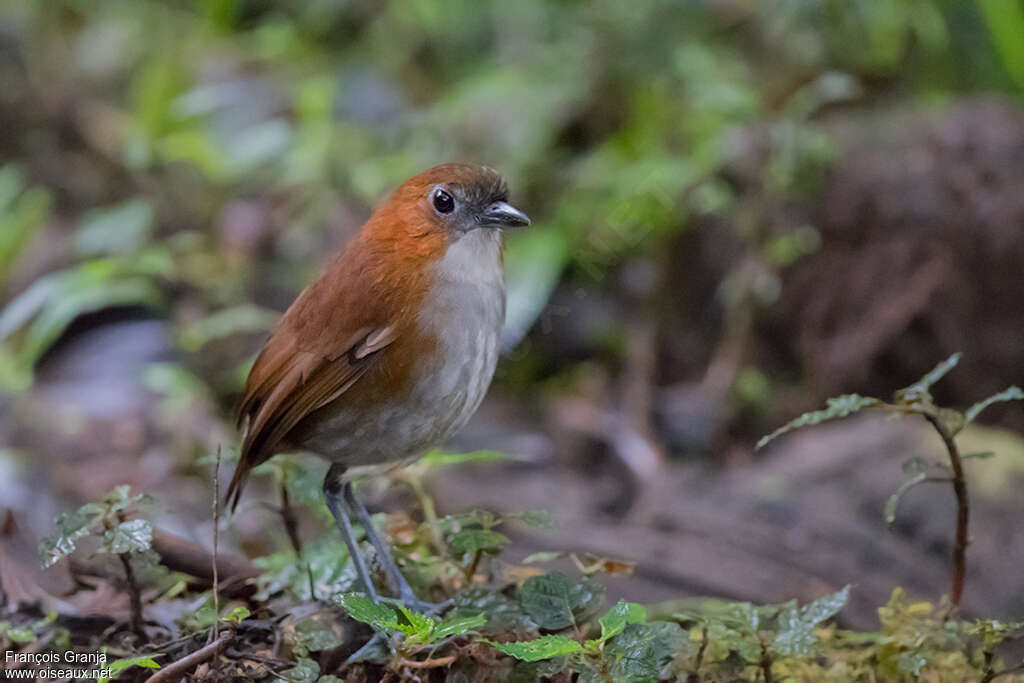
[{"x": 474, "y": 258}]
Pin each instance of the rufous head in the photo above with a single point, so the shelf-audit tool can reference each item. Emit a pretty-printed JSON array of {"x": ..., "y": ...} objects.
[{"x": 453, "y": 200}]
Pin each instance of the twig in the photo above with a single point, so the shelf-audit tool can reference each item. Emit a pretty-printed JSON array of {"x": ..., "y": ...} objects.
[
  {"x": 428, "y": 663},
  {"x": 175, "y": 671},
  {"x": 181, "y": 555},
  {"x": 216, "y": 536},
  {"x": 962, "y": 512}
]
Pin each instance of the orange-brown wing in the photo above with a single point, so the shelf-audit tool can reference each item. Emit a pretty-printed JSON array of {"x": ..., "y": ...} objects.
[{"x": 290, "y": 380}]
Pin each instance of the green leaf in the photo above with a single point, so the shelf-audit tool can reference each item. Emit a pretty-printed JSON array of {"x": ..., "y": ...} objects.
[
  {"x": 121, "y": 228},
  {"x": 981, "y": 455},
  {"x": 456, "y": 627},
  {"x": 796, "y": 626},
  {"x": 544, "y": 647},
  {"x": 839, "y": 406},
  {"x": 826, "y": 607},
  {"x": 236, "y": 615},
  {"x": 71, "y": 527},
  {"x": 119, "y": 666},
  {"x": 921, "y": 389},
  {"x": 473, "y": 540},
  {"x": 554, "y": 602},
  {"x": 20, "y": 635},
  {"x": 542, "y": 557},
  {"x": 224, "y": 323},
  {"x": 132, "y": 536},
  {"x": 1005, "y": 20},
  {"x": 416, "y": 626},
  {"x": 616, "y": 619},
  {"x": 640, "y": 651},
  {"x": 361, "y": 608},
  {"x": 316, "y": 638},
  {"x": 305, "y": 669},
  {"x": 1013, "y": 393},
  {"x": 894, "y": 500}
]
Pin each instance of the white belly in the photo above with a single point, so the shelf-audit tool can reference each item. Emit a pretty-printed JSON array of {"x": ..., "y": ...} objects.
[{"x": 465, "y": 311}]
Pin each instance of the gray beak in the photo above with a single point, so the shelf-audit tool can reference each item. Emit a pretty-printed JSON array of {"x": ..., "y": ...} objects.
[{"x": 503, "y": 215}]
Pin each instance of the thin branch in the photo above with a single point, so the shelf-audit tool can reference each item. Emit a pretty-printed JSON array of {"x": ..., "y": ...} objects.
[
  {"x": 962, "y": 511},
  {"x": 216, "y": 538},
  {"x": 177, "y": 670},
  {"x": 428, "y": 663}
]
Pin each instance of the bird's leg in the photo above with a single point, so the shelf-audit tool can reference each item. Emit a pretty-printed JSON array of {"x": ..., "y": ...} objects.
[
  {"x": 395, "y": 579},
  {"x": 334, "y": 497}
]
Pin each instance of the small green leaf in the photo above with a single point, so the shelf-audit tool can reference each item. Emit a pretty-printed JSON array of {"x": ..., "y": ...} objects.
[
  {"x": 236, "y": 615},
  {"x": 71, "y": 527},
  {"x": 839, "y": 406},
  {"x": 616, "y": 619},
  {"x": 894, "y": 500},
  {"x": 305, "y": 669},
  {"x": 456, "y": 627},
  {"x": 20, "y": 635},
  {"x": 416, "y": 626},
  {"x": 640, "y": 651},
  {"x": 826, "y": 607},
  {"x": 537, "y": 519},
  {"x": 554, "y": 602},
  {"x": 796, "y": 626},
  {"x": 921, "y": 389},
  {"x": 119, "y": 666},
  {"x": 1013, "y": 393},
  {"x": 132, "y": 536},
  {"x": 981, "y": 455},
  {"x": 473, "y": 540},
  {"x": 544, "y": 647},
  {"x": 316, "y": 639},
  {"x": 542, "y": 557},
  {"x": 361, "y": 608}
]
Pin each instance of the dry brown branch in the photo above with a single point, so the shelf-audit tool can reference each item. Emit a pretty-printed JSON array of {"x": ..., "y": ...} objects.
[{"x": 176, "y": 670}]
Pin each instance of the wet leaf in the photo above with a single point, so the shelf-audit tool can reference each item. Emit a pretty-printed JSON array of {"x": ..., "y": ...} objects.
[
  {"x": 640, "y": 651},
  {"x": 71, "y": 527},
  {"x": 127, "y": 537},
  {"x": 555, "y": 602},
  {"x": 839, "y": 406}
]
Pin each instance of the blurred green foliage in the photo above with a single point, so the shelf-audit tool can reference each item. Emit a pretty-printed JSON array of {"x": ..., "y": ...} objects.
[{"x": 198, "y": 133}]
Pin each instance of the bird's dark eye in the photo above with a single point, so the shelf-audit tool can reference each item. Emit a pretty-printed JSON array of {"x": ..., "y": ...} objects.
[{"x": 443, "y": 202}]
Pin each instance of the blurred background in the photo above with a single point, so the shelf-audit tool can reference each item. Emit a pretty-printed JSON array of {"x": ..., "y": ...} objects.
[{"x": 740, "y": 209}]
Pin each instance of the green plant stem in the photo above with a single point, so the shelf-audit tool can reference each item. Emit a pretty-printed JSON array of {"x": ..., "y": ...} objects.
[
  {"x": 962, "y": 510},
  {"x": 429, "y": 512}
]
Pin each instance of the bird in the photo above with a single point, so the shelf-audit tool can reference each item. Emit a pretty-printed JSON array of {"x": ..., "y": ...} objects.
[{"x": 390, "y": 351}]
